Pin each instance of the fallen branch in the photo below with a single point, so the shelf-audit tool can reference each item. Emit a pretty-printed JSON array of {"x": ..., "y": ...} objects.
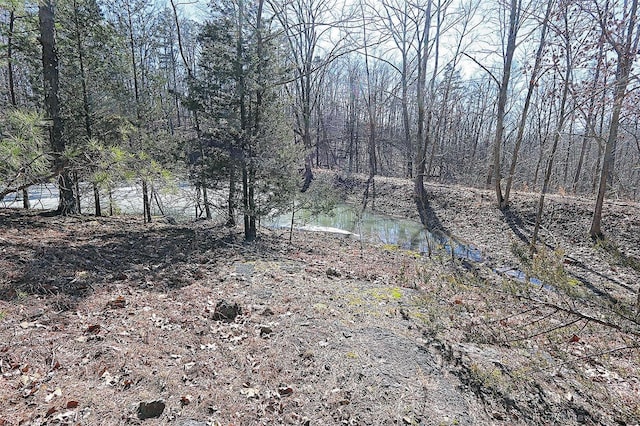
[{"x": 580, "y": 315}]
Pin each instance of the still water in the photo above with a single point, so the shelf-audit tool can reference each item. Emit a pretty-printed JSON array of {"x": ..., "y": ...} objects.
[
  {"x": 179, "y": 202},
  {"x": 380, "y": 228}
]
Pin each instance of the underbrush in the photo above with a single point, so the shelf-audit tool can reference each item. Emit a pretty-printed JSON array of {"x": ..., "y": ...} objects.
[
  {"x": 528, "y": 344},
  {"x": 619, "y": 258}
]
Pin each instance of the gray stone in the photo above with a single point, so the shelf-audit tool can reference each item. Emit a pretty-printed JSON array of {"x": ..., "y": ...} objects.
[
  {"x": 226, "y": 311},
  {"x": 149, "y": 410}
]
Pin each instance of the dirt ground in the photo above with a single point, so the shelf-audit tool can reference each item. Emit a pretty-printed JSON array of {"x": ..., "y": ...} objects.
[{"x": 107, "y": 321}]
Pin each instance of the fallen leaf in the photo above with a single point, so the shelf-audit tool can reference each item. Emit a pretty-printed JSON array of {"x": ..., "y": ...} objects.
[
  {"x": 574, "y": 339},
  {"x": 285, "y": 390},
  {"x": 50, "y": 411},
  {"x": 72, "y": 404},
  {"x": 118, "y": 302},
  {"x": 95, "y": 329}
]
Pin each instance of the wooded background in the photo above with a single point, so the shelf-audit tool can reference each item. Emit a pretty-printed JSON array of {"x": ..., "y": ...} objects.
[{"x": 248, "y": 95}]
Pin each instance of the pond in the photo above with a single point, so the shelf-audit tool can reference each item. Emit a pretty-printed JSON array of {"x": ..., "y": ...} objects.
[
  {"x": 179, "y": 202},
  {"x": 380, "y": 228}
]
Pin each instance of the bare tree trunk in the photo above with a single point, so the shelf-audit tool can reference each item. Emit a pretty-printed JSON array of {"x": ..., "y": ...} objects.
[
  {"x": 146, "y": 204},
  {"x": 527, "y": 104},
  {"x": 514, "y": 18},
  {"x": 424, "y": 122},
  {"x": 591, "y": 115},
  {"x": 196, "y": 120},
  {"x": 371, "y": 105},
  {"x": 96, "y": 199},
  {"x": 625, "y": 54},
  {"x": 231, "y": 200},
  {"x": 67, "y": 201},
  {"x": 12, "y": 89},
  {"x": 556, "y": 134}
]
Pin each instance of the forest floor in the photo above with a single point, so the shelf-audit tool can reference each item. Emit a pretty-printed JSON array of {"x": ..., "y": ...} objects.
[{"x": 107, "y": 321}]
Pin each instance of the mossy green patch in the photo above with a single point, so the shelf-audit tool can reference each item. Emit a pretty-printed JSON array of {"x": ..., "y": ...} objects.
[{"x": 386, "y": 293}]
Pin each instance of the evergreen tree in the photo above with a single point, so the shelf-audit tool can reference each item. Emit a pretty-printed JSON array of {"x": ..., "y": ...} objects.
[{"x": 238, "y": 96}]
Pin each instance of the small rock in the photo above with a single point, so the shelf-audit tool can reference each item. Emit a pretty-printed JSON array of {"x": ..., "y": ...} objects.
[
  {"x": 226, "y": 311},
  {"x": 332, "y": 272},
  {"x": 148, "y": 410},
  {"x": 265, "y": 331}
]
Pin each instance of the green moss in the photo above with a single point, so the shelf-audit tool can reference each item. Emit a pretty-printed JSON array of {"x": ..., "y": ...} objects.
[
  {"x": 396, "y": 293},
  {"x": 386, "y": 293},
  {"x": 355, "y": 300}
]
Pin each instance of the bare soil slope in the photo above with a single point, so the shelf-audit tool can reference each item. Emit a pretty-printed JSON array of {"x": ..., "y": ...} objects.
[{"x": 108, "y": 321}]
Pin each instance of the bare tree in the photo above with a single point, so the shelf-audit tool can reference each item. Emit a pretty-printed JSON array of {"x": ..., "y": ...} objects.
[
  {"x": 67, "y": 203},
  {"x": 307, "y": 24},
  {"x": 562, "y": 116},
  {"x": 527, "y": 103},
  {"x": 626, "y": 48},
  {"x": 515, "y": 16},
  {"x": 201, "y": 185}
]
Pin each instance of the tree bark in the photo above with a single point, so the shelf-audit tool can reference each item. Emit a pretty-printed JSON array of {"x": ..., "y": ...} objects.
[
  {"x": 67, "y": 201},
  {"x": 625, "y": 54},
  {"x": 424, "y": 121},
  {"x": 514, "y": 17},
  {"x": 527, "y": 104}
]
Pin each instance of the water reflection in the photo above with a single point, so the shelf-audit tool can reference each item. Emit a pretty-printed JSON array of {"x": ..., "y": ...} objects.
[{"x": 380, "y": 228}]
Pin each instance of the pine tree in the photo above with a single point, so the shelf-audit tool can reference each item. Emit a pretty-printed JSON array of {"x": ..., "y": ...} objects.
[{"x": 237, "y": 93}]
